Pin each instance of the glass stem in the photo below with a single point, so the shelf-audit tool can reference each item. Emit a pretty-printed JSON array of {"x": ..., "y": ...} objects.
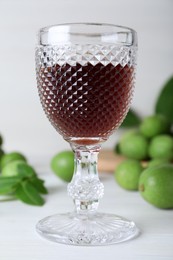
[{"x": 85, "y": 187}]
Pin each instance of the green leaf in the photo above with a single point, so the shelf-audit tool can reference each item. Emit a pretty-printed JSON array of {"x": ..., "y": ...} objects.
[
  {"x": 164, "y": 103},
  {"x": 8, "y": 184},
  {"x": 27, "y": 193},
  {"x": 117, "y": 149},
  {"x": 25, "y": 170},
  {"x": 39, "y": 185},
  {"x": 131, "y": 120}
]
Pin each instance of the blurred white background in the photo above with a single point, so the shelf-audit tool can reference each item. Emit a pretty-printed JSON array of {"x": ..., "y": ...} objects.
[{"x": 22, "y": 121}]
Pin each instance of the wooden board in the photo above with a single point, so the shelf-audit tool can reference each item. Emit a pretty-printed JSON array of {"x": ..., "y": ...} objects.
[{"x": 108, "y": 161}]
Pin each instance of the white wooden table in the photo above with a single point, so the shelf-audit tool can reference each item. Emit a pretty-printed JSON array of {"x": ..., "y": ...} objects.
[{"x": 19, "y": 240}]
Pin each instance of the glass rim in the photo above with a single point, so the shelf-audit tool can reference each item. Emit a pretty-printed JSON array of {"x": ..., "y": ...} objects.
[
  {"x": 46, "y": 28},
  {"x": 94, "y": 30}
]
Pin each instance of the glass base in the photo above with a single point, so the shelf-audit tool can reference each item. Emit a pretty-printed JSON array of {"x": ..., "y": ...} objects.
[{"x": 87, "y": 229}]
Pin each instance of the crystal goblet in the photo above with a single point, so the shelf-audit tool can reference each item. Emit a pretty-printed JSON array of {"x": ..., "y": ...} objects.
[{"x": 85, "y": 79}]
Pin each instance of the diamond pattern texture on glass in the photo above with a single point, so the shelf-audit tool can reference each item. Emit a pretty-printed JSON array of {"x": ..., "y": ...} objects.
[{"x": 85, "y": 90}]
